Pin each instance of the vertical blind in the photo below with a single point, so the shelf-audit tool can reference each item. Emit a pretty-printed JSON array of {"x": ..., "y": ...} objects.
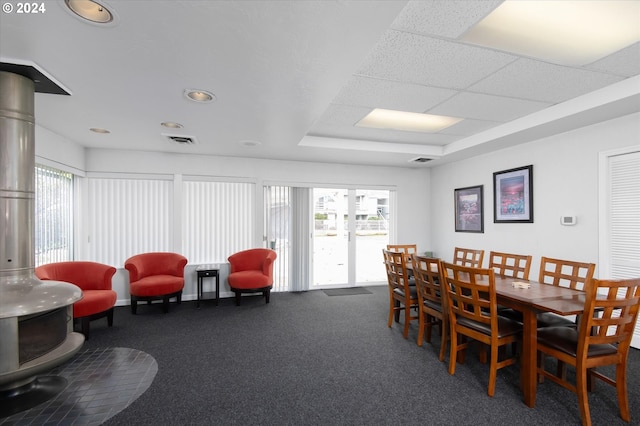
[
  {"x": 288, "y": 225},
  {"x": 53, "y": 230},
  {"x": 217, "y": 220},
  {"x": 128, "y": 217},
  {"x": 277, "y": 218}
]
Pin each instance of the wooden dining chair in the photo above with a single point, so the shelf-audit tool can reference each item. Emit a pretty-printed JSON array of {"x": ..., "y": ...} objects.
[
  {"x": 402, "y": 296},
  {"x": 564, "y": 273},
  {"x": 510, "y": 265},
  {"x": 431, "y": 299},
  {"x": 471, "y": 299},
  {"x": 602, "y": 338},
  {"x": 407, "y": 249},
  {"x": 468, "y": 257}
]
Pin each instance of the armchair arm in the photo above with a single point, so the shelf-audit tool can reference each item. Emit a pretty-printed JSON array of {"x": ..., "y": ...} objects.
[{"x": 267, "y": 266}]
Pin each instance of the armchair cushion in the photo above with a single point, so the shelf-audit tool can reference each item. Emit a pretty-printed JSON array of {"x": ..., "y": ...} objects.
[
  {"x": 154, "y": 285},
  {"x": 249, "y": 279}
]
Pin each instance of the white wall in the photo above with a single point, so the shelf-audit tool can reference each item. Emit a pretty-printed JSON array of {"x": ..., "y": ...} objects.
[
  {"x": 565, "y": 182},
  {"x": 55, "y": 151},
  {"x": 411, "y": 186}
]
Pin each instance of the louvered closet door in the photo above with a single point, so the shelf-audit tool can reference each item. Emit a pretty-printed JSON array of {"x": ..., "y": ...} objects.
[{"x": 622, "y": 220}]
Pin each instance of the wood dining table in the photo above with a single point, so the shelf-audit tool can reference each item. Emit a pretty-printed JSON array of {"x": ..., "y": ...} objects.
[{"x": 530, "y": 301}]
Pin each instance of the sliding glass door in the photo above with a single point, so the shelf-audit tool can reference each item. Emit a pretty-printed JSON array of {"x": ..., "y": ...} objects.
[
  {"x": 330, "y": 237},
  {"x": 350, "y": 230}
]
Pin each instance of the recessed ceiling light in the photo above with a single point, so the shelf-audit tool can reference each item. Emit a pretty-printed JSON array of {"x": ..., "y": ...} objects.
[
  {"x": 90, "y": 10},
  {"x": 199, "y": 95},
  {"x": 573, "y": 33},
  {"x": 249, "y": 143},
  {"x": 171, "y": 125},
  {"x": 99, "y": 130},
  {"x": 409, "y": 121}
]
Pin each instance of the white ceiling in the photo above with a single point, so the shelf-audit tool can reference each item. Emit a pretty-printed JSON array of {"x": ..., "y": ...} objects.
[{"x": 297, "y": 75}]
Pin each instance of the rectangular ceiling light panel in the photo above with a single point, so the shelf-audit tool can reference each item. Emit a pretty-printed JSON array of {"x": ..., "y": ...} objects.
[
  {"x": 573, "y": 33},
  {"x": 408, "y": 121}
]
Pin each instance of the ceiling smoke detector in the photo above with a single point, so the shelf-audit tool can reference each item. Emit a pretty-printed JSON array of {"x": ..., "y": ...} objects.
[
  {"x": 420, "y": 160},
  {"x": 181, "y": 139}
]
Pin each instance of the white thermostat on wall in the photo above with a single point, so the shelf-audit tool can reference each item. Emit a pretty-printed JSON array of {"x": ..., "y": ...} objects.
[{"x": 568, "y": 220}]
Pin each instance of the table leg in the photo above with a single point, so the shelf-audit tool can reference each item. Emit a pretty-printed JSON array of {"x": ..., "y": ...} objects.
[
  {"x": 217, "y": 288},
  {"x": 528, "y": 367},
  {"x": 199, "y": 292}
]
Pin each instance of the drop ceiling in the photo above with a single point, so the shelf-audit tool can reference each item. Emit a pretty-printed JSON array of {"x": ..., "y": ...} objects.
[{"x": 293, "y": 79}]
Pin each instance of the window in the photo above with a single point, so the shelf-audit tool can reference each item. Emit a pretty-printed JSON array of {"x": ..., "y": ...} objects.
[
  {"x": 217, "y": 220},
  {"x": 53, "y": 215},
  {"x": 127, "y": 217}
]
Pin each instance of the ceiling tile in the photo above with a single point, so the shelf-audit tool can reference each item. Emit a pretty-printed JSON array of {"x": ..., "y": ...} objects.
[
  {"x": 424, "y": 60},
  {"x": 540, "y": 81},
  {"x": 487, "y": 107},
  {"x": 444, "y": 18},
  {"x": 624, "y": 62},
  {"x": 343, "y": 115},
  {"x": 376, "y": 93}
]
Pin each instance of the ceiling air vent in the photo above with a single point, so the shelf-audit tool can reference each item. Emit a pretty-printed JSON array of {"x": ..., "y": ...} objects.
[
  {"x": 420, "y": 160},
  {"x": 181, "y": 139}
]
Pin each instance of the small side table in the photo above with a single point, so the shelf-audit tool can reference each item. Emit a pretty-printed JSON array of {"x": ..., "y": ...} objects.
[{"x": 208, "y": 271}]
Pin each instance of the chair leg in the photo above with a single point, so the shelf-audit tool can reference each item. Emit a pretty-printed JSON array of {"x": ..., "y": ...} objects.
[
  {"x": 134, "y": 305},
  {"x": 165, "y": 304},
  {"x": 453, "y": 353},
  {"x": 583, "y": 401},
  {"x": 444, "y": 327},
  {"x": 621, "y": 387},
  {"x": 540, "y": 365},
  {"x": 237, "y": 298},
  {"x": 429, "y": 325},
  {"x": 110, "y": 317},
  {"x": 84, "y": 324},
  {"x": 482, "y": 353},
  {"x": 421, "y": 320},
  {"x": 391, "y": 310},
  {"x": 493, "y": 371},
  {"x": 407, "y": 321},
  {"x": 267, "y": 293}
]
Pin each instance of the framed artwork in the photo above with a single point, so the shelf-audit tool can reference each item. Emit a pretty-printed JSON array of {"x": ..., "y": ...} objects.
[
  {"x": 469, "y": 209},
  {"x": 513, "y": 195}
]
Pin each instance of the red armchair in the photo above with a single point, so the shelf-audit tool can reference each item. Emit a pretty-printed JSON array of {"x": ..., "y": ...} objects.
[
  {"x": 251, "y": 271},
  {"x": 153, "y": 276},
  {"x": 94, "y": 279}
]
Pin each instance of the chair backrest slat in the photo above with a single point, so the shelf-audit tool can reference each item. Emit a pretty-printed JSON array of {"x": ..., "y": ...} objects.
[
  {"x": 471, "y": 293},
  {"x": 427, "y": 273},
  {"x": 396, "y": 266},
  {"x": 407, "y": 249},
  {"x": 565, "y": 273},
  {"x": 468, "y": 257},
  {"x": 510, "y": 265}
]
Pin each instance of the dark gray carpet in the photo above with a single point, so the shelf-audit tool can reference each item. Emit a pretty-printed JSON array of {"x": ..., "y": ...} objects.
[
  {"x": 309, "y": 359},
  {"x": 346, "y": 291}
]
